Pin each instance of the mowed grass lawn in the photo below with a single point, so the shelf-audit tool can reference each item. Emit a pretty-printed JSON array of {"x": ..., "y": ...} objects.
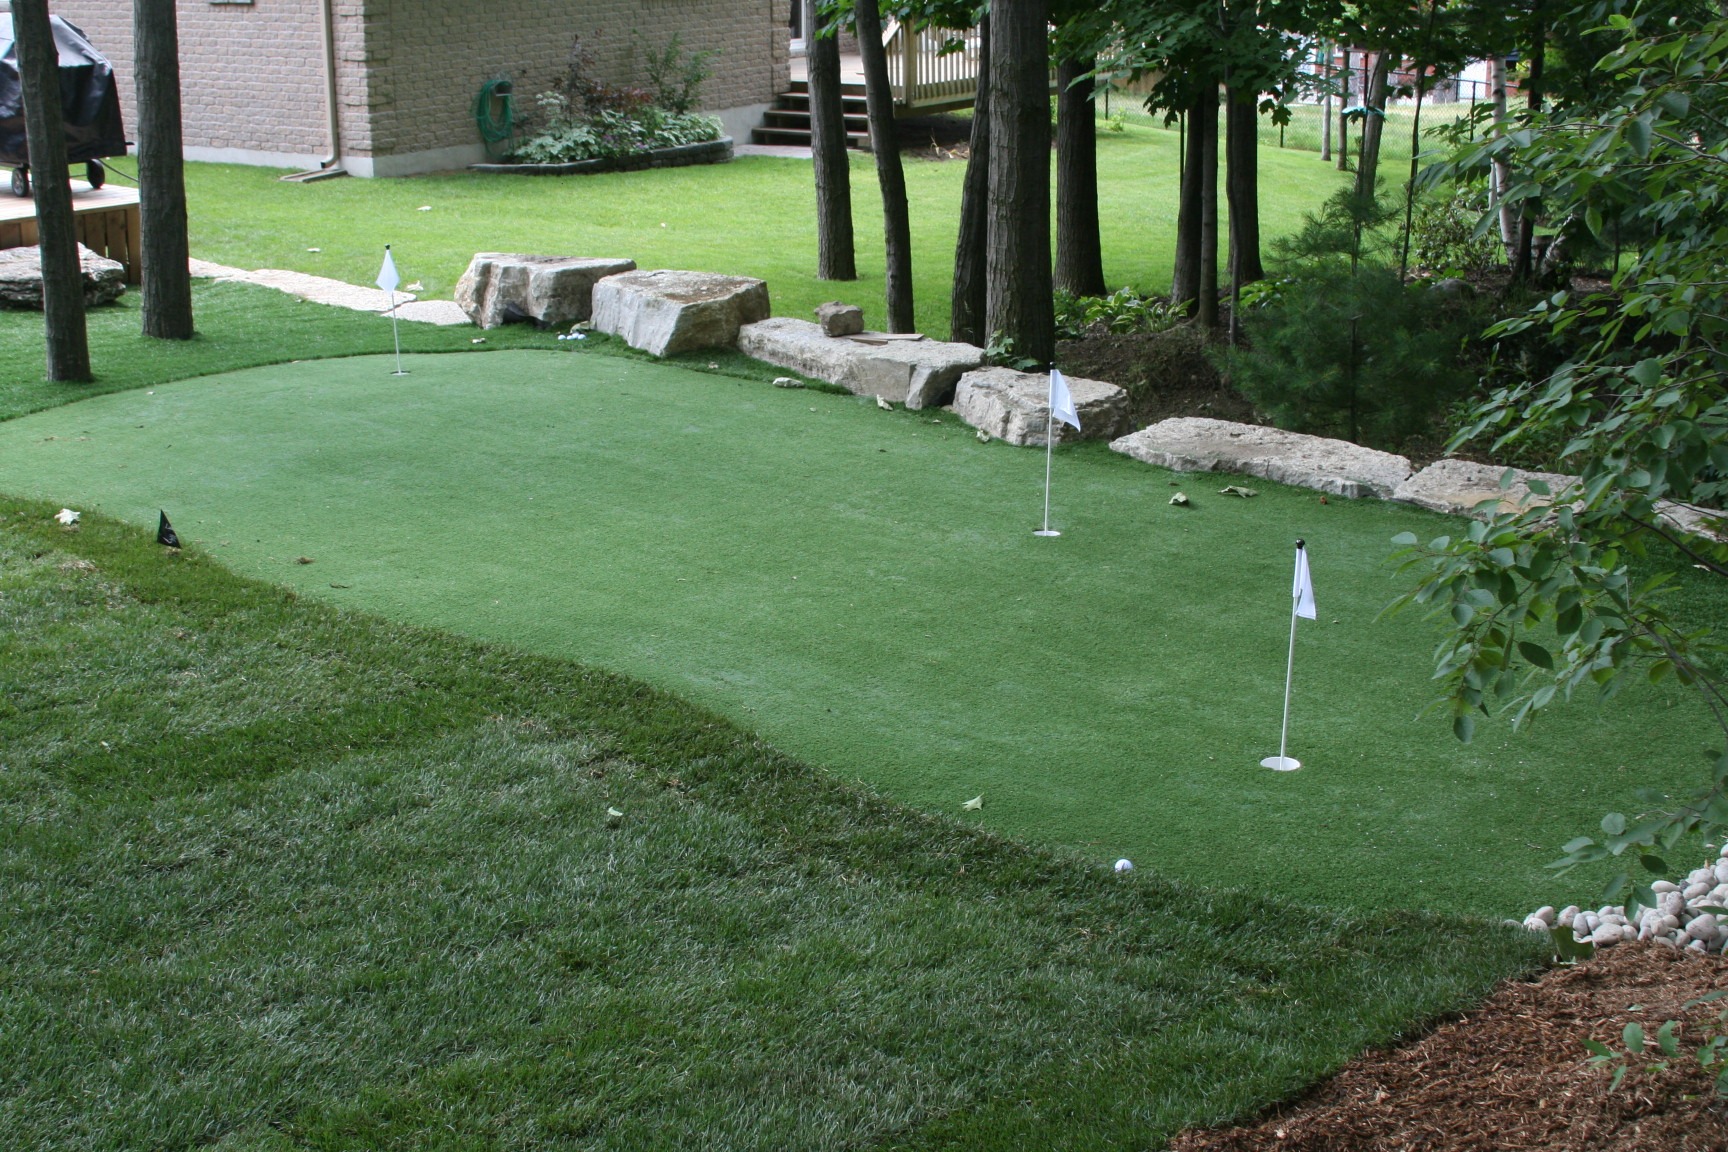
[
  {"x": 279, "y": 875},
  {"x": 863, "y": 589},
  {"x": 752, "y": 217}
]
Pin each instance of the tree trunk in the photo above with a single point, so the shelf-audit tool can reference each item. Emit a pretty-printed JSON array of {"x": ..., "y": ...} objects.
[
  {"x": 1325, "y": 104},
  {"x": 1344, "y": 117},
  {"x": 1185, "y": 280},
  {"x": 1373, "y": 125},
  {"x": 1242, "y": 186},
  {"x": 835, "y": 254},
  {"x": 896, "y": 222},
  {"x": 45, "y": 131},
  {"x": 1523, "y": 257},
  {"x": 967, "y": 301},
  {"x": 1501, "y": 178},
  {"x": 1207, "y": 130},
  {"x": 1018, "y": 302},
  {"x": 167, "y": 282},
  {"x": 1079, "y": 256}
]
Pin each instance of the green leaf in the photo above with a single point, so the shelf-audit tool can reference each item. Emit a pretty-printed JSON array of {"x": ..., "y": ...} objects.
[
  {"x": 1404, "y": 539},
  {"x": 1464, "y": 727},
  {"x": 1536, "y": 654},
  {"x": 1653, "y": 863},
  {"x": 1647, "y": 372},
  {"x": 1633, "y": 1037},
  {"x": 1666, "y": 1040},
  {"x": 1614, "y": 823},
  {"x": 1600, "y": 1050},
  {"x": 1619, "y": 1075}
]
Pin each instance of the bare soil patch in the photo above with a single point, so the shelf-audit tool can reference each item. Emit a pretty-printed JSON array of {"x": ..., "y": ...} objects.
[{"x": 1513, "y": 1074}]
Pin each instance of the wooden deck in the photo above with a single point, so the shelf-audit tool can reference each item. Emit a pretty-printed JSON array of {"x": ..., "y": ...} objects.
[{"x": 107, "y": 220}]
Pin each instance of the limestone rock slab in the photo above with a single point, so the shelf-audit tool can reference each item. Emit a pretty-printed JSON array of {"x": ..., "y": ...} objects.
[
  {"x": 1015, "y": 406},
  {"x": 1459, "y": 486},
  {"x": 665, "y": 312},
  {"x": 21, "y": 278},
  {"x": 552, "y": 291},
  {"x": 1199, "y": 444},
  {"x": 839, "y": 319},
  {"x": 916, "y": 373},
  {"x": 1694, "y": 520}
]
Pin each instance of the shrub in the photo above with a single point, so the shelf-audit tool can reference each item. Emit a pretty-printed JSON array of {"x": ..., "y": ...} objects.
[
  {"x": 1444, "y": 237},
  {"x": 675, "y": 75},
  {"x": 1121, "y": 312},
  {"x": 582, "y": 119},
  {"x": 1342, "y": 346}
]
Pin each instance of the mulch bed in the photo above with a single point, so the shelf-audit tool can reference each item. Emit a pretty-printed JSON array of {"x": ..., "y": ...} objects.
[{"x": 1513, "y": 1074}]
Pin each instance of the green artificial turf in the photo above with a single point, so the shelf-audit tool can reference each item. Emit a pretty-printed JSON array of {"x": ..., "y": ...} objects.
[
  {"x": 239, "y": 326},
  {"x": 752, "y": 217},
  {"x": 862, "y": 588},
  {"x": 284, "y": 876}
]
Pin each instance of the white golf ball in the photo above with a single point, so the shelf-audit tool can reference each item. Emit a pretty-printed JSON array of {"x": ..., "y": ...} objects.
[{"x": 1124, "y": 865}]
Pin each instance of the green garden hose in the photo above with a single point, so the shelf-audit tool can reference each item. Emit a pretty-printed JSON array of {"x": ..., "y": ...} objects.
[{"x": 495, "y": 130}]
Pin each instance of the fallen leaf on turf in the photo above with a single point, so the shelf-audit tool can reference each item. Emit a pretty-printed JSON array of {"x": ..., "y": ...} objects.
[
  {"x": 787, "y": 382},
  {"x": 613, "y": 815},
  {"x": 973, "y": 804},
  {"x": 1237, "y": 490},
  {"x": 1180, "y": 500},
  {"x": 424, "y": 208},
  {"x": 66, "y": 516},
  {"x": 983, "y": 436},
  {"x": 884, "y": 405},
  {"x": 303, "y": 560},
  {"x": 414, "y": 287}
]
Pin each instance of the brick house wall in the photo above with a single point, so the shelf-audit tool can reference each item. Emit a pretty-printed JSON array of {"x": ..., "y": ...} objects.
[{"x": 407, "y": 70}]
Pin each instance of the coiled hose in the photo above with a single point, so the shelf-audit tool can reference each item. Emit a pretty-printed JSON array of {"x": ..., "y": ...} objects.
[{"x": 495, "y": 130}]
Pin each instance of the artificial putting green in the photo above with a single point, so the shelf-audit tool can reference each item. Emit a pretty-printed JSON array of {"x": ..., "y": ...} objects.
[{"x": 863, "y": 589}]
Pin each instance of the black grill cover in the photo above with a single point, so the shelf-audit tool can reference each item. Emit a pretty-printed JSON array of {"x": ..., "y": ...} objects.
[{"x": 89, "y": 103}]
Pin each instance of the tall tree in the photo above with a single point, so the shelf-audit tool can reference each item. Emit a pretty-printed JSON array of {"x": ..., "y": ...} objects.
[
  {"x": 896, "y": 219},
  {"x": 968, "y": 299},
  {"x": 1019, "y": 296},
  {"x": 62, "y": 277},
  {"x": 1242, "y": 183},
  {"x": 1185, "y": 277},
  {"x": 1376, "y": 85},
  {"x": 1079, "y": 253},
  {"x": 167, "y": 280}
]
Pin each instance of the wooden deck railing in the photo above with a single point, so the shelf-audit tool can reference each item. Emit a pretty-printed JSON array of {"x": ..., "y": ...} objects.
[{"x": 931, "y": 69}]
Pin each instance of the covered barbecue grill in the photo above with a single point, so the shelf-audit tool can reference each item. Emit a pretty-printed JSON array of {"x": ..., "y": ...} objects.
[{"x": 89, "y": 105}]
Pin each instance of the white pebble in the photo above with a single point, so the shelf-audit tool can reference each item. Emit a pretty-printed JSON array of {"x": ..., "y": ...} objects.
[
  {"x": 1696, "y": 889},
  {"x": 1605, "y": 935},
  {"x": 1568, "y": 914},
  {"x": 1701, "y": 875},
  {"x": 1662, "y": 886},
  {"x": 1545, "y": 914},
  {"x": 1696, "y": 946}
]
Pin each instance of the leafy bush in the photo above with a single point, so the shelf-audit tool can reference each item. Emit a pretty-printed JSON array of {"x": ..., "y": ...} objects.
[
  {"x": 676, "y": 76},
  {"x": 1444, "y": 237},
  {"x": 1121, "y": 312},
  {"x": 1343, "y": 347},
  {"x": 582, "y": 119}
]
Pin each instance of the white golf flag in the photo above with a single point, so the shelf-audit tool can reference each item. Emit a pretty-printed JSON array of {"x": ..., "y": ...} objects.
[
  {"x": 387, "y": 278},
  {"x": 1062, "y": 404},
  {"x": 1303, "y": 592}
]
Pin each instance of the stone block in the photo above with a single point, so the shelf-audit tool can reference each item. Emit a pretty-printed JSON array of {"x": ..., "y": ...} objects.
[
  {"x": 1459, "y": 486},
  {"x": 665, "y": 312},
  {"x": 21, "y": 278},
  {"x": 1015, "y": 406},
  {"x": 1198, "y": 444},
  {"x": 552, "y": 291},
  {"x": 839, "y": 319},
  {"x": 916, "y": 373}
]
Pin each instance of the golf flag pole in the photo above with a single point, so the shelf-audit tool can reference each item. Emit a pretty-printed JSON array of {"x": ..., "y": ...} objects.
[
  {"x": 388, "y": 280},
  {"x": 1061, "y": 408},
  {"x": 1301, "y": 605}
]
